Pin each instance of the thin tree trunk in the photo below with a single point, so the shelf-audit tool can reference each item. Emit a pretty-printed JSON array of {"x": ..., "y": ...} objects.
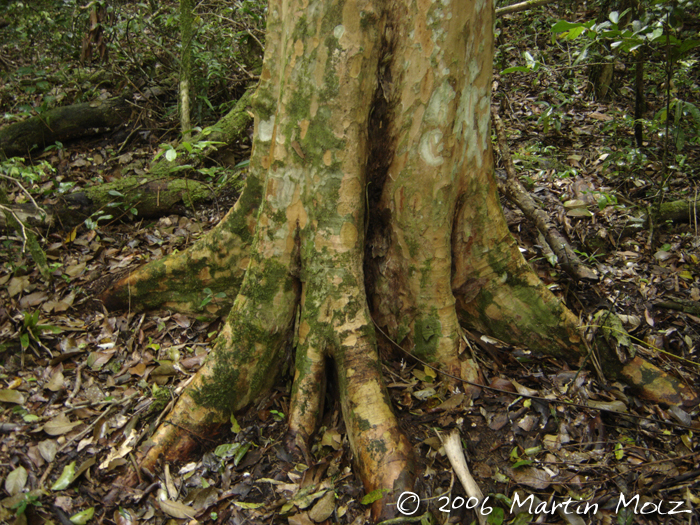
[
  {"x": 186, "y": 62},
  {"x": 521, "y": 6}
]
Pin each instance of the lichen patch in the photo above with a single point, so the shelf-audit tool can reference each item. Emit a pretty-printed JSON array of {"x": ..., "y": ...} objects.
[{"x": 431, "y": 147}]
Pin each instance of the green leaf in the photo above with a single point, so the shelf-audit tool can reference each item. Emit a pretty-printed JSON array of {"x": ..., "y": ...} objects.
[
  {"x": 619, "y": 452},
  {"x": 187, "y": 146},
  {"x": 562, "y": 26},
  {"x": 240, "y": 454},
  {"x": 575, "y": 32},
  {"x": 496, "y": 517},
  {"x": 65, "y": 479},
  {"x": 16, "y": 481},
  {"x": 373, "y": 496},
  {"x": 246, "y": 505},
  {"x": 235, "y": 427},
  {"x": 226, "y": 450},
  {"x": 515, "y": 69},
  {"x": 82, "y": 517},
  {"x": 171, "y": 155}
]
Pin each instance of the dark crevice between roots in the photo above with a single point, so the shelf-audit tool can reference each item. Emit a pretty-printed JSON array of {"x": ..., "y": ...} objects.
[{"x": 381, "y": 149}]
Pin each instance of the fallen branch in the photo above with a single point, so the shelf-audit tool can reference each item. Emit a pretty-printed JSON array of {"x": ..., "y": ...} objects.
[
  {"x": 454, "y": 452},
  {"x": 682, "y": 305},
  {"x": 521, "y": 6},
  {"x": 518, "y": 195}
]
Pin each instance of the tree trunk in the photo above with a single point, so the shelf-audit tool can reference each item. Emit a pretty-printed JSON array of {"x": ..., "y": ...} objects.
[
  {"x": 186, "y": 62},
  {"x": 372, "y": 200},
  {"x": 64, "y": 123}
]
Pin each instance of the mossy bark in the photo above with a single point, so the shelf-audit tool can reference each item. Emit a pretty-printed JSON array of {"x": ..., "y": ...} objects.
[
  {"x": 146, "y": 195},
  {"x": 373, "y": 200},
  {"x": 61, "y": 124}
]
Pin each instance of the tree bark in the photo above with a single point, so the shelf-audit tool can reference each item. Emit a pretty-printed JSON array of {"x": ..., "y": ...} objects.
[
  {"x": 186, "y": 61},
  {"x": 61, "y": 124},
  {"x": 372, "y": 200}
]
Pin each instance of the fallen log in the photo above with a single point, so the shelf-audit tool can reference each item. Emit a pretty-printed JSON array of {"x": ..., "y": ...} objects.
[
  {"x": 148, "y": 197},
  {"x": 678, "y": 211},
  {"x": 151, "y": 195},
  {"x": 61, "y": 124}
]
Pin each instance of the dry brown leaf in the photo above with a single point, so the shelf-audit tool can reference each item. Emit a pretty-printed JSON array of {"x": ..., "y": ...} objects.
[
  {"x": 323, "y": 509},
  {"x": 75, "y": 269},
  {"x": 33, "y": 299},
  {"x": 47, "y": 449},
  {"x": 532, "y": 477},
  {"x": 301, "y": 518},
  {"x": 176, "y": 510},
  {"x": 11, "y": 396},
  {"x": 60, "y": 425},
  {"x": 56, "y": 382},
  {"x": 18, "y": 284}
]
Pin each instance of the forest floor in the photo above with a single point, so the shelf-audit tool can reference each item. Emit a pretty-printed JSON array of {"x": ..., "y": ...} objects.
[{"x": 88, "y": 386}]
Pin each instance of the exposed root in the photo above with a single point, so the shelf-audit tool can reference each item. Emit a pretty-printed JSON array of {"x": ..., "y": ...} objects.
[{"x": 216, "y": 262}]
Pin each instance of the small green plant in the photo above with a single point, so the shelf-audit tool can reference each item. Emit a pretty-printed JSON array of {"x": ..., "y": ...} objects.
[
  {"x": 31, "y": 329},
  {"x": 194, "y": 149},
  {"x": 210, "y": 296},
  {"x": 588, "y": 258},
  {"x": 21, "y": 506}
]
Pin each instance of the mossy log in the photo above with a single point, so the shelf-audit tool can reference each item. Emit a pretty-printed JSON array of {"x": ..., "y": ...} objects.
[
  {"x": 152, "y": 195},
  {"x": 61, "y": 124},
  {"x": 148, "y": 196},
  {"x": 677, "y": 211}
]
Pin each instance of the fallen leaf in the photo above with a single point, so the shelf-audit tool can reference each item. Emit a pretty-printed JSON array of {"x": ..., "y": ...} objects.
[
  {"x": 48, "y": 449},
  {"x": 176, "y": 510},
  {"x": 17, "y": 285},
  {"x": 11, "y": 396},
  {"x": 532, "y": 477},
  {"x": 16, "y": 480},
  {"x": 56, "y": 382},
  {"x": 33, "y": 299},
  {"x": 82, "y": 517},
  {"x": 66, "y": 477},
  {"x": 323, "y": 509},
  {"x": 60, "y": 425},
  {"x": 75, "y": 269}
]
